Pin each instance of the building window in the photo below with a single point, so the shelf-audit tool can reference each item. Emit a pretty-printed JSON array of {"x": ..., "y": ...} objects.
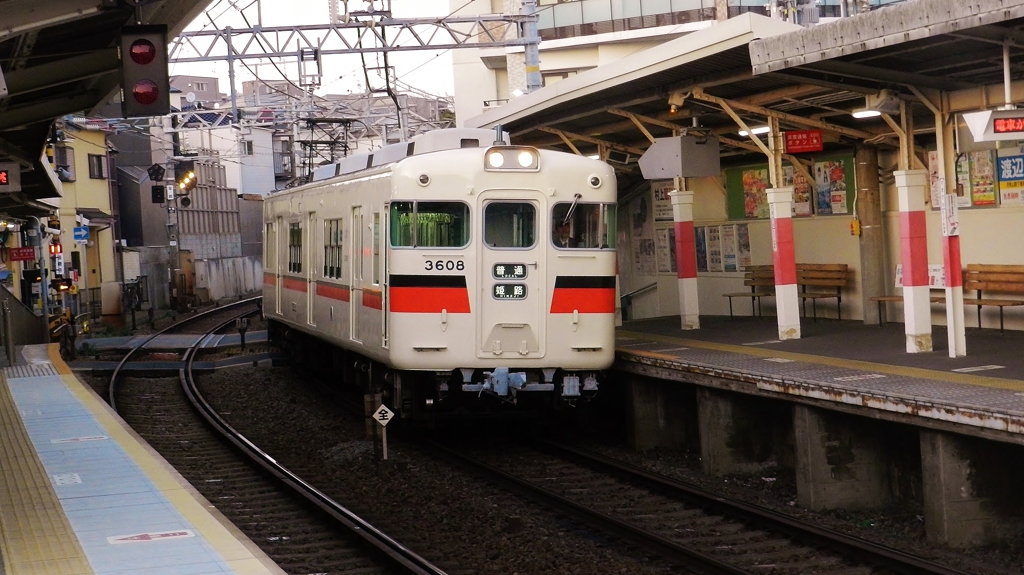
[
  {"x": 97, "y": 167},
  {"x": 64, "y": 159},
  {"x": 247, "y": 147},
  {"x": 202, "y": 86},
  {"x": 332, "y": 249},
  {"x": 295, "y": 247}
]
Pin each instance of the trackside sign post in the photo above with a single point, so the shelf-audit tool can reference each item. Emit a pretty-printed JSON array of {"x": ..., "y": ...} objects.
[{"x": 383, "y": 415}]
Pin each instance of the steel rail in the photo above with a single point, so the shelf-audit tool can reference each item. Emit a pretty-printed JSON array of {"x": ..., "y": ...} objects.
[
  {"x": 864, "y": 550},
  {"x": 115, "y": 377},
  {"x": 692, "y": 558},
  {"x": 398, "y": 553}
]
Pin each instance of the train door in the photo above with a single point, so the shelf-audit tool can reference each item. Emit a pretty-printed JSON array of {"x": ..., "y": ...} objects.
[
  {"x": 356, "y": 303},
  {"x": 311, "y": 253},
  {"x": 511, "y": 278},
  {"x": 380, "y": 270},
  {"x": 277, "y": 268}
]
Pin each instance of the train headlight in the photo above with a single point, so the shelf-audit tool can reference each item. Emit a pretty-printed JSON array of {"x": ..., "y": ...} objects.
[
  {"x": 512, "y": 158},
  {"x": 526, "y": 159}
]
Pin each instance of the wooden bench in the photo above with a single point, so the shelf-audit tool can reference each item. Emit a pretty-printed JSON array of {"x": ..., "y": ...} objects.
[
  {"x": 936, "y": 280},
  {"x": 817, "y": 277},
  {"x": 993, "y": 278},
  {"x": 820, "y": 277},
  {"x": 884, "y": 299},
  {"x": 761, "y": 279}
]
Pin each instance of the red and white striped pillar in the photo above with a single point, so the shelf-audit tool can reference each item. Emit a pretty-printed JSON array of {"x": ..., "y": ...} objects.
[
  {"x": 955, "y": 329},
  {"x": 686, "y": 258},
  {"x": 911, "y": 186},
  {"x": 787, "y": 299}
]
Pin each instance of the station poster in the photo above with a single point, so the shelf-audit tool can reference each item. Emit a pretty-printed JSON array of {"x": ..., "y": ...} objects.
[
  {"x": 802, "y": 190},
  {"x": 830, "y": 182},
  {"x": 643, "y": 235},
  {"x": 977, "y": 180},
  {"x": 662, "y": 200},
  {"x": 665, "y": 247},
  {"x": 832, "y": 191},
  {"x": 723, "y": 248},
  {"x": 983, "y": 180},
  {"x": 1010, "y": 169}
]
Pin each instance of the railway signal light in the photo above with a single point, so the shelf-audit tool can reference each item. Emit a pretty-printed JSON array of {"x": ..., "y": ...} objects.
[
  {"x": 159, "y": 194},
  {"x": 145, "y": 87},
  {"x": 60, "y": 284},
  {"x": 56, "y": 249}
]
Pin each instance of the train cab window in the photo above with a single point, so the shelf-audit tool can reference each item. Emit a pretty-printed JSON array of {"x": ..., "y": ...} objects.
[
  {"x": 579, "y": 225},
  {"x": 510, "y": 225},
  {"x": 295, "y": 247},
  {"x": 429, "y": 224}
]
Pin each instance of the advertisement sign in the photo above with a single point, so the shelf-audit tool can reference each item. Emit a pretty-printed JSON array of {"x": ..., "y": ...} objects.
[{"x": 21, "y": 254}]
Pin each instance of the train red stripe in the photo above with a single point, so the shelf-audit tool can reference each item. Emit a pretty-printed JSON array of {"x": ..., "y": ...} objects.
[
  {"x": 337, "y": 292},
  {"x": 429, "y": 299},
  {"x": 373, "y": 299},
  {"x": 584, "y": 300},
  {"x": 269, "y": 279},
  {"x": 294, "y": 284}
]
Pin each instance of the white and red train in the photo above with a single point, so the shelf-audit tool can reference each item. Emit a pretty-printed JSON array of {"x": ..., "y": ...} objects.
[{"x": 448, "y": 273}]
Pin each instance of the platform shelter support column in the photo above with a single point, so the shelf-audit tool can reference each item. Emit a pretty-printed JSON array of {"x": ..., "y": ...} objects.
[
  {"x": 840, "y": 463},
  {"x": 787, "y": 300},
  {"x": 686, "y": 257},
  {"x": 953, "y": 514},
  {"x": 911, "y": 186}
]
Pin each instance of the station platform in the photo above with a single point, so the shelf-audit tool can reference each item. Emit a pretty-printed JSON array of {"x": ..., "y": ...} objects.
[
  {"x": 843, "y": 365},
  {"x": 81, "y": 494},
  {"x": 170, "y": 346}
]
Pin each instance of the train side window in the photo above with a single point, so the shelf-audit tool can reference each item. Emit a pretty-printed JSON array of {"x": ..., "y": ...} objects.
[
  {"x": 269, "y": 248},
  {"x": 429, "y": 224},
  {"x": 332, "y": 248},
  {"x": 580, "y": 225},
  {"x": 376, "y": 248},
  {"x": 510, "y": 225},
  {"x": 295, "y": 247}
]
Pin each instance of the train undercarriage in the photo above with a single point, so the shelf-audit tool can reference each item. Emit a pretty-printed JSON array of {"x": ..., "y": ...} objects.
[{"x": 459, "y": 393}]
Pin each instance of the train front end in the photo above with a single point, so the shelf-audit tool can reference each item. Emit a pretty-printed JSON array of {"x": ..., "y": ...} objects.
[{"x": 501, "y": 279}]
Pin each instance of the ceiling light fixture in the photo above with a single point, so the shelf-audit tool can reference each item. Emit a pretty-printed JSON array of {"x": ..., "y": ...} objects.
[{"x": 756, "y": 130}]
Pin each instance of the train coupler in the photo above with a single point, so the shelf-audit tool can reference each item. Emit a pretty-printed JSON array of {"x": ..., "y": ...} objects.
[{"x": 571, "y": 385}]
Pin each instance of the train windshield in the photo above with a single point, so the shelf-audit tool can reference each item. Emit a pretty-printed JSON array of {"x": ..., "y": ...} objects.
[
  {"x": 580, "y": 225},
  {"x": 429, "y": 224},
  {"x": 510, "y": 224}
]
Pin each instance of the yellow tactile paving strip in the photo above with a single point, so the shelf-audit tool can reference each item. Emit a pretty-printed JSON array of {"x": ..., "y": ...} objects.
[
  {"x": 951, "y": 377},
  {"x": 234, "y": 547},
  {"x": 35, "y": 536}
]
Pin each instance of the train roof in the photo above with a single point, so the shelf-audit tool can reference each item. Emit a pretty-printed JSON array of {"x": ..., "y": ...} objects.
[{"x": 433, "y": 141}]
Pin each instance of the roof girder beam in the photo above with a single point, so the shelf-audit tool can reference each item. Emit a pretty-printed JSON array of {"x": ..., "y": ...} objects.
[
  {"x": 782, "y": 116},
  {"x": 595, "y": 141}
]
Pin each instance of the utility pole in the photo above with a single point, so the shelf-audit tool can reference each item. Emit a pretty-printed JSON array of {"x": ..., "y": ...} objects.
[{"x": 534, "y": 81}]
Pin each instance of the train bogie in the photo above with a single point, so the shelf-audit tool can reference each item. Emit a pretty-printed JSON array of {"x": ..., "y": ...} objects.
[{"x": 472, "y": 272}]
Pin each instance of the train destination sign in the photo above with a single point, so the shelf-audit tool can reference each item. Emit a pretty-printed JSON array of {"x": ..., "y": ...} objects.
[
  {"x": 509, "y": 291},
  {"x": 509, "y": 271}
]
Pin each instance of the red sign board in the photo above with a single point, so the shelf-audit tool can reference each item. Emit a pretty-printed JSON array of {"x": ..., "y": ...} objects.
[
  {"x": 803, "y": 141},
  {"x": 21, "y": 254}
]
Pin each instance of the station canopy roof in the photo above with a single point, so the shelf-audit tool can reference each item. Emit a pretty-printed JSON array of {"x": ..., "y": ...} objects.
[
  {"x": 944, "y": 51},
  {"x": 59, "y": 57}
]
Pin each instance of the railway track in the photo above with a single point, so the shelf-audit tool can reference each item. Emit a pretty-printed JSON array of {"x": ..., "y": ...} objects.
[
  {"x": 299, "y": 528},
  {"x": 699, "y": 530}
]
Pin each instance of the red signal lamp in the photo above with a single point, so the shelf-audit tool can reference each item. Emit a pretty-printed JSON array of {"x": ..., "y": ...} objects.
[{"x": 56, "y": 249}]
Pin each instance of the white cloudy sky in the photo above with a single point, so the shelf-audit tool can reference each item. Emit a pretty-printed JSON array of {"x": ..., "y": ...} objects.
[{"x": 430, "y": 71}]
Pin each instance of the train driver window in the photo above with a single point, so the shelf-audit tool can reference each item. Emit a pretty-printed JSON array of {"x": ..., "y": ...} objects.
[
  {"x": 510, "y": 225},
  {"x": 580, "y": 225},
  {"x": 429, "y": 224}
]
